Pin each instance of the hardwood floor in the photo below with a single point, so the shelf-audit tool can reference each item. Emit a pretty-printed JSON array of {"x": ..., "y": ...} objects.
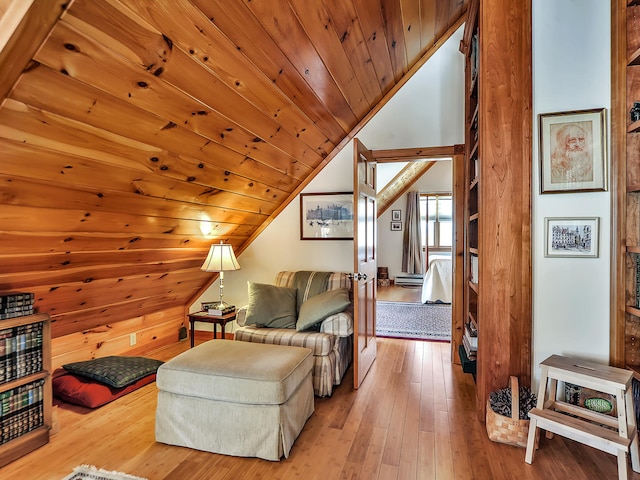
[
  {"x": 413, "y": 418},
  {"x": 399, "y": 294}
]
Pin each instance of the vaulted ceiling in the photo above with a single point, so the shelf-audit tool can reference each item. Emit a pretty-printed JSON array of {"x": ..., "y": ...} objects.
[{"x": 134, "y": 133}]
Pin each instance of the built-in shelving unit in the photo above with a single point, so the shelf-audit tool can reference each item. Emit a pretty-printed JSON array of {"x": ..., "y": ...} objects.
[
  {"x": 470, "y": 44},
  {"x": 625, "y": 164},
  {"x": 25, "y": 385},
  {"x": 497, "y": 218}
]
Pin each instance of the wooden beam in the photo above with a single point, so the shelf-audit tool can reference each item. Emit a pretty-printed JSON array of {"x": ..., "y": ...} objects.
[
  {"x": 400, "y": 184},
  {"x": 23, "y": 27},
  {"x": 420, "y": 153}
]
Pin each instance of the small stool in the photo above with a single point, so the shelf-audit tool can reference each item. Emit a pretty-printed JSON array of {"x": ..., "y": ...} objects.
[
  {"x": 577, "y": 423},
  {"x": 235, "y": 398}
]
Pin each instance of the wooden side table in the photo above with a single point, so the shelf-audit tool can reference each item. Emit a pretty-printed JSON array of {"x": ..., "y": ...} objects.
[{"x": 215, "y": 320}]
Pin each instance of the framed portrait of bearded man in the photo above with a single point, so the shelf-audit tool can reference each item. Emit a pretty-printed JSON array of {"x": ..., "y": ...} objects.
[{"x": 573, "y": 151}]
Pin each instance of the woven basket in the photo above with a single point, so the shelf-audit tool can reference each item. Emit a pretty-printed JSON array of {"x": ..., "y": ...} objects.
[{"x": 509, "y": 430}]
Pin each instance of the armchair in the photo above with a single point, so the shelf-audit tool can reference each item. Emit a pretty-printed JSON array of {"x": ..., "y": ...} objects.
[{"x": 330, "y": 339}]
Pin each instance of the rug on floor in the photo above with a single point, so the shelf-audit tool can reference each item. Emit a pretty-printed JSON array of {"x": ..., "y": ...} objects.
[
  {"x": 89, "y": 472},
  {"x": 430, "y": 321}
]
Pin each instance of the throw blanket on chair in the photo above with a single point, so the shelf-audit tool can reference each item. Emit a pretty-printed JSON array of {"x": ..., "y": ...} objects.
[{"x": 309, "y": 284}]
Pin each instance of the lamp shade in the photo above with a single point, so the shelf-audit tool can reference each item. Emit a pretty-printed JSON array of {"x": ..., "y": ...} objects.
[{"x": 220, "y": 259}]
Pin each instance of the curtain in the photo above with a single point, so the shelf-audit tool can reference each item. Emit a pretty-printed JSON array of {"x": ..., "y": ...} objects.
[
  {"x": 426, "y": 231},
  {"x": 412, "y": 258}
]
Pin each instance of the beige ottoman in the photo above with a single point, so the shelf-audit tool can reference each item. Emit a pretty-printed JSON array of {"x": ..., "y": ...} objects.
[{"x": 235, "y": 398}]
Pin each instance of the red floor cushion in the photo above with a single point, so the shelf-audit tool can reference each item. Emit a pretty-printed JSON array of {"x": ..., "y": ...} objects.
[{"x": 89, "y": 393}]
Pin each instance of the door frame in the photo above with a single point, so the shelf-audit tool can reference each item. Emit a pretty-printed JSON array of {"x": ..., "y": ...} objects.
[{"x": 456, "y": 154}]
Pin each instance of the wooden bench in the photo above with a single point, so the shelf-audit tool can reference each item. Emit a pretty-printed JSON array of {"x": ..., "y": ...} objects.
[{"x": 617, "y": 436}]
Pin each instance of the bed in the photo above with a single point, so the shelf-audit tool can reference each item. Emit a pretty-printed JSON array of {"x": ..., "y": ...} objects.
[{"x": 436, "y": 286}]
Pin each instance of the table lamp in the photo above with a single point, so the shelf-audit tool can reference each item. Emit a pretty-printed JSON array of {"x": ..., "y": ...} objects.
[{"x": 220, "y": 259}]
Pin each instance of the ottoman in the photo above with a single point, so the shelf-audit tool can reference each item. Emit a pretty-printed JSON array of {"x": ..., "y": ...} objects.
[{"x": 235, "y": 398}]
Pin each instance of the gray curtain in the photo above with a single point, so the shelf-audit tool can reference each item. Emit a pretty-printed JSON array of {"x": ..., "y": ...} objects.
[{"x": 412, "y": 257}]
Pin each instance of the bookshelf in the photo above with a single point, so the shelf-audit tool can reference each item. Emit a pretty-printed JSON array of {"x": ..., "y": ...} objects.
[
  {"x": 498, "y": 156},
  {"x": 625, "y": 165},
  {"x": 25, "y": 385},
  {"x": 470, "y": 43}
]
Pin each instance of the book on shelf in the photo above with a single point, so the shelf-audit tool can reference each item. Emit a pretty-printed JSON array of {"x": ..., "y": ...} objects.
[
  {"x": 637, "y": 280},
  {"x": 474, "y": 63},
  {"x": 21, "y": 410},
  {"x": 15, "y": 297},
  {"x": 20, "y": 351},
  {"x": 472, "y": 340},
  {"x": 16, "y": 304},
  {"x": 471, "y": 353},
  {"x": 474, "y": 268},
  {"x": 217, "y": 312}
]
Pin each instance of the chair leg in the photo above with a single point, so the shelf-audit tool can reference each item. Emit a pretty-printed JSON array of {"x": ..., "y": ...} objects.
[
  {"x": 622, "y": 465},
  {"x": 635, "y": 463},
  {"x": 631, "y": 418},
  {"x": 532, "y": 442}
]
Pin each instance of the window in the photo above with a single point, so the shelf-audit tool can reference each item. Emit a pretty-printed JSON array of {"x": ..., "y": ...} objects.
[{"x": 436, "y": 221}]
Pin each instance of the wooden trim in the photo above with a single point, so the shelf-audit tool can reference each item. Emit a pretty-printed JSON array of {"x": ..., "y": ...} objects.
[
  {"x": 457, "y": 302},
  {"x": 618, "y": 182},
  {"x": 23, "y": 28},
  {"x": 505, "y": 137},
  {"x": 408, "y": 154},
  {"x": 468, "y": 27}
]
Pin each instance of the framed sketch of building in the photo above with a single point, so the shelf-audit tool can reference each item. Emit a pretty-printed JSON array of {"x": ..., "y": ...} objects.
[
  {"x": 326, "y": 216},
  {"x": 571, "y": 237}
]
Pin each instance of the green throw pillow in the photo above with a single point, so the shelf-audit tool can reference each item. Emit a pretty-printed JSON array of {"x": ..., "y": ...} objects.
[
  {"x": 117, "y": 371},
  {"x": 271, "y": 306},
  {"x": 320, "y": 306}
]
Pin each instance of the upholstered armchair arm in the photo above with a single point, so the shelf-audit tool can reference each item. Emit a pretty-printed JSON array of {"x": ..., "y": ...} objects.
[
  {"x": 241, "y": 316},
  {"x": 340, "y": 324}
]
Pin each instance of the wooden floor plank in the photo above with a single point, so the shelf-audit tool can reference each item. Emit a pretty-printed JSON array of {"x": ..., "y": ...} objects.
[
  {"x": 444, "y": 456},
  {"x": 412, "y": 418},
  {"x": 426, "y": 456}
]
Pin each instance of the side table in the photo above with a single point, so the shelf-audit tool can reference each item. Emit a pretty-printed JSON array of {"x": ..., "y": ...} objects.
[{"x": 215, "y": 320}]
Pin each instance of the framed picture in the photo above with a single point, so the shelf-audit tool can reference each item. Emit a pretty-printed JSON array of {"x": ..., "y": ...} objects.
[
  {"x": 326, "y": 216},
  {"x": 571, "y": 237},
  {"x": 572, "y": 151},
  {"x": 396, "y": 215},
  {"x": 396, "y": 226}
]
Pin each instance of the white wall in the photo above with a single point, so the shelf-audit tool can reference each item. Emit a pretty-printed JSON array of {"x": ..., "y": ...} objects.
[
  {"x": 571, "y": 57},
  {"x": 438, "y": 179},
  {"x": 427, "y": 111}
]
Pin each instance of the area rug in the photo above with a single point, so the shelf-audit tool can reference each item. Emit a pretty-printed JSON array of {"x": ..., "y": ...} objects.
[
  {"x": 431, "y": 321},
  {"x": 89, "y": 472}
]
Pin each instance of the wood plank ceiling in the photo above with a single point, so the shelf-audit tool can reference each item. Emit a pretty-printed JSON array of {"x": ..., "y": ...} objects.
[{"x": 141, "y": 131}]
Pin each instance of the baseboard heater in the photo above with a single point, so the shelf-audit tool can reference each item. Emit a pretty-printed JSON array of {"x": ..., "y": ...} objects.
[{"x": 408, "y": 279}]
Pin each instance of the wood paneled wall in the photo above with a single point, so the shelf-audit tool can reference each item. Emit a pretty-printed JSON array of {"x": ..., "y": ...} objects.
[{"x": 135, "y": 133}]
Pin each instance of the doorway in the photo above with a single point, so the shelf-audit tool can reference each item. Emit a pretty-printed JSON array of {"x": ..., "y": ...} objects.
[{"x": 412, "y": 294}]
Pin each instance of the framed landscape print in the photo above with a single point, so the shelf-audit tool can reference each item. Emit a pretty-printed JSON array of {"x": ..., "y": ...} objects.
[
  {"x": 573, "y": 151},
  {"x": 326, "y": 216},
  {"x": 571, "y": 237}
]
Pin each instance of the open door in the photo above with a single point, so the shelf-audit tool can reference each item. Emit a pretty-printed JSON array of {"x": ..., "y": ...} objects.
[{"x": 365, "y": 262}]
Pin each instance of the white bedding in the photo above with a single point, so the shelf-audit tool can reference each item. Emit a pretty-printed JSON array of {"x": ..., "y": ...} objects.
[{"x": 436, "y": 286}]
